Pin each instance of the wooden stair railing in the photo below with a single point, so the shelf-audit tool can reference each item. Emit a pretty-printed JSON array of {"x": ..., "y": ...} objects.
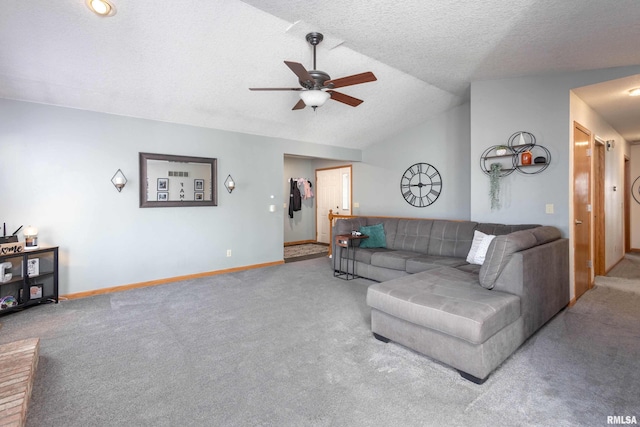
[{"x": 332, "y": 218}]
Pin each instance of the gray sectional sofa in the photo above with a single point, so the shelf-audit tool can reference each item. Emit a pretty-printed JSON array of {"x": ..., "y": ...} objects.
[{"x": 469, "y": 316}]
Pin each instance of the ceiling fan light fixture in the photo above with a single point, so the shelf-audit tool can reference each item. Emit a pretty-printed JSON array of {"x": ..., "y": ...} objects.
[
  {"x": 314, "y": 97},
  {"x": 101, "y": 7},
  {"x": 634, "y": 92}
]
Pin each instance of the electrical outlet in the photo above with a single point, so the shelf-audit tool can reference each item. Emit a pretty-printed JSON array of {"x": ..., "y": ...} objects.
[{"x": 228, "y": 252}]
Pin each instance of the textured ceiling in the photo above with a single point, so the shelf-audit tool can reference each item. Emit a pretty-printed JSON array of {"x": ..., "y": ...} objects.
[{"x": 193, "y": 62}]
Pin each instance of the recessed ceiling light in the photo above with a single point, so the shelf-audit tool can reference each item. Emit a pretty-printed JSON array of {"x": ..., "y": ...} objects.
[
  {"x": 634, "y": 92},
  {"x": 101, "y": 7}
]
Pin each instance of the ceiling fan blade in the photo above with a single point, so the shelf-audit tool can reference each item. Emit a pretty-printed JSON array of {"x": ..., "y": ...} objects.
[
  {"x": 355, "y": 79},
  {"x": 299, "y": 106},
  {"x": 345, "y": 99},
  {"x": 275, "y": 88},
  {"x": 301, "y": 72}
]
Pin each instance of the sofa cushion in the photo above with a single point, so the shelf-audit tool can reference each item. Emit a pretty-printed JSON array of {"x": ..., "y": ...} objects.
[
  {"x": 376, "y": 235},
  {"x": 395, "y": 260},
  {"x": 364, "y": 254},
  {"x": 427, "y": 262},
  {"x": 500, "y": 251},
  {"x": 412, "y": 235},
  {"x": 390, "y": 226},
  {"x": 451, "y": 238},
  {"x": 446, "y": 300}
]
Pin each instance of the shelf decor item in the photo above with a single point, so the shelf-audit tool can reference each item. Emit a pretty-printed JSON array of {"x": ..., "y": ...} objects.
[
  {"x": 31, "y": 237},
  {"x": 495, "y": 172},
  {"x": 501, "y": 150},
  {"x": 525, "y": 157}
]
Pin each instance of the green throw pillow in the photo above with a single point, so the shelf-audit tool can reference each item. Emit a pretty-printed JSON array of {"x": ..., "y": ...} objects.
[{"x": 376, "y": 235}]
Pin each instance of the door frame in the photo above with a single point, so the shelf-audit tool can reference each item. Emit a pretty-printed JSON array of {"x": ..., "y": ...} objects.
[
  {"x": 627, "y": 204},
  {"x": 599, "y": 243}
]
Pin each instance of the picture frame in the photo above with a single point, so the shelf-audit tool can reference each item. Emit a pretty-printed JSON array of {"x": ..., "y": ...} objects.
[
  {"x": 163, "y": 184},
  {"x": 35, "y": 291},
  {"x": 184, "y": 172}
]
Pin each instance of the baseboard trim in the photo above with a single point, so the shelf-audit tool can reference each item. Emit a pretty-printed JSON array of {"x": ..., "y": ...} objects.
[
  {"x": 167, "y": 280},
  {"x": 634, "y": 250},
  {"x": 300, "y": 242}
]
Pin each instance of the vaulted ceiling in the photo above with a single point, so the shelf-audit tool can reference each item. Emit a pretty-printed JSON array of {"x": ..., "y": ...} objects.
[{"x": 192, "y": 62}]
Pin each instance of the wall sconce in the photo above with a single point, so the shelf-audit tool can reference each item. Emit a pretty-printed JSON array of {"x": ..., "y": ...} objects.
[
  {"x": 119, "y": 180},
  {"x": 229, "y": 183},
  {"x": 611, "y": 144}
]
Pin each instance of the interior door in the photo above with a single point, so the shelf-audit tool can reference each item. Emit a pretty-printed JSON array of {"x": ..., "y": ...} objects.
[
  {"x": 333, "y": 191},
  {"x": 582, "y": 209}
]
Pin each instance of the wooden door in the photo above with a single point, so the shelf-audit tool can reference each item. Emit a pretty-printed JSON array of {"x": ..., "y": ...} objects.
[
  {"x": 333, "y": 191},
  {"x": 581, "y": 209}
]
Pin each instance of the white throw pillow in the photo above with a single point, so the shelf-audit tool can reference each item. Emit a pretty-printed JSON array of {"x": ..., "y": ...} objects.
[{"x": 479, "y": 247}]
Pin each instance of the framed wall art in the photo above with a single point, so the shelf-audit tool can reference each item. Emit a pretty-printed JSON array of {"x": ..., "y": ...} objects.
[{"x": 168, "y": 180}]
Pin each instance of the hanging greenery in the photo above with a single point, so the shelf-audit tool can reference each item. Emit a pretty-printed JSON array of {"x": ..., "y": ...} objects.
[{"x": 494, "y": 188}]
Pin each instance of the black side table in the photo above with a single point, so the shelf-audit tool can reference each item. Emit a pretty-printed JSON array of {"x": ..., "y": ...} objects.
[{"x": 346, "y": 241}]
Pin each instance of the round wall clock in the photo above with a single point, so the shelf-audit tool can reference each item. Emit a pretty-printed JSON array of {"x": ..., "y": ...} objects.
[
  {"x": 635, "y": 189},
  {"x": 421, "y": 184}
]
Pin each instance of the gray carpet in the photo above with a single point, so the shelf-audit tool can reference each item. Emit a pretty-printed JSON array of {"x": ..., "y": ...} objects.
[
  {"x": 625, "y": 276},
  {"x": 290, "y": 346}
]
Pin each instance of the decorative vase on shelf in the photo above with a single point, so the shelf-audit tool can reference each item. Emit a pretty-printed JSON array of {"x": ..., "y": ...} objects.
[
  {"x": 526, "y": 157},
  {"x": 501, "y": 150}
]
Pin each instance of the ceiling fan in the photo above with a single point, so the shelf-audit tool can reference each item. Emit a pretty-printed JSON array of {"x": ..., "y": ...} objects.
[{"x": 317, "y": 86}]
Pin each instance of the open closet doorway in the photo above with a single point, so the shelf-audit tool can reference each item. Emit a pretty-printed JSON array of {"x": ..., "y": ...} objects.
[{"x": 333, "y": 192}]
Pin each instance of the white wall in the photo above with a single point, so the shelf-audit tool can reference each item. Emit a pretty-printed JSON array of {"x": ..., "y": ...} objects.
[
  {"x": 55, "y": 170},
  {"x": 442, "y": 142},
  {"x": 540, "y": 105},
  {"x": 614, "y": 177},
  {"x": 303, "y": 224}
]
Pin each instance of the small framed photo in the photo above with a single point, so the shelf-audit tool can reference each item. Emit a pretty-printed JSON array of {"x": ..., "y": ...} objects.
[
  {"x": 198, "y": 185},
  {"x": 163, "y": 185},
  {"x": 35, "y": 292},
  {"x": 198, "y": 196},
  {"x": 163, "y": 196}
]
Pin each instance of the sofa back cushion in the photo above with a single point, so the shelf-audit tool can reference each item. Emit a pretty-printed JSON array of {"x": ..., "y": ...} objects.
[
  {"x": 412, "y": 235},
  {"x": 546, "y": 234},
  {"x": 451, "y": 238},
  {"x": 390, "y": 227},
  {"x": 499, "y": 253},
  {"x": 500, "y": 229}
]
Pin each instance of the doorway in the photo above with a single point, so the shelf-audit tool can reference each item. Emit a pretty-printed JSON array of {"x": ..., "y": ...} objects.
[
  {"x": 333, "y": 192},
  {"x": 582, "y": 209}
]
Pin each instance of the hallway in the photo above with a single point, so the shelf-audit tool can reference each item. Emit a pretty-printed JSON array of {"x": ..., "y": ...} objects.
[{"x": 624, "y": 276}]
